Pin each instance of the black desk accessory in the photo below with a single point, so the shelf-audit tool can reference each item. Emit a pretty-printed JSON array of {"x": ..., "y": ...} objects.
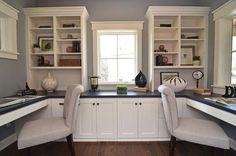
[
  {"x": 230, "y": 92},
  {"x": 27, "y": 91}
]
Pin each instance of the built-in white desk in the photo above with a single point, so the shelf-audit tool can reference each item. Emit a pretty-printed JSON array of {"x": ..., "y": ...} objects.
[
  {"x": 221, "y": 114},
  {"x": 18, "y": 113}
]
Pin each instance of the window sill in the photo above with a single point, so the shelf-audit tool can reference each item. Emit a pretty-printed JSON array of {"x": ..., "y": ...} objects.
[{"x": 9, "y": 55}]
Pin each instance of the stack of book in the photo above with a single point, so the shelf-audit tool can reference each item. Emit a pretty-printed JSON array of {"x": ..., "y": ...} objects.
[
  {"x": 202, "y": 91},
  {"x": 221, "y": 100},
  {"x": 140, "y": 89}
]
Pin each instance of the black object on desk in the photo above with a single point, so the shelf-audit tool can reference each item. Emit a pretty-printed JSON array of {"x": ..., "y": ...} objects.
[
  {"x": 229, "y": 92},
  {"x": 27, "y": 91}
]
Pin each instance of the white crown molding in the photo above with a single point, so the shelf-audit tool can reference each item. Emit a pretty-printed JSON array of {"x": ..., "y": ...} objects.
[
  {"x": 117, "y": 25},
  {"x": 49, "y": 11},
  {"x": 8, "y": 10},
  {"x": 180, "y": 10},
  {"x": 227, "y": 9}
]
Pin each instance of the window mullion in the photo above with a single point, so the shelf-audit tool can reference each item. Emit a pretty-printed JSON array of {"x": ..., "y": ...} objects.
[{"x": 117, "y": 50}]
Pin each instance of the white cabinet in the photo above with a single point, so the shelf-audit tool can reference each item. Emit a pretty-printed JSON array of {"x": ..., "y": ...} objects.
[
  {"x": 177, "y": 36},
  {"x": 97, "y": 118},
  {"x": 86, "y": 119},
  {"x": 127, "y": 118},
  {"x": 60, "y": 33},
  {"x": 57, "y": 106},
  {"x": 137, "y": 117}
]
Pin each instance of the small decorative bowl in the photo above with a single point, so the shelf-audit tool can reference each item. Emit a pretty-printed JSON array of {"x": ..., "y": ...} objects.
[{"x": 176, "y": 83}]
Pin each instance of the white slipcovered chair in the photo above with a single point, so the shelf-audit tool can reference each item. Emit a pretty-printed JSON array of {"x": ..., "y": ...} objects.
[
  {"x": 51, "y": 129},
  {"x": 193, "y": 130}
]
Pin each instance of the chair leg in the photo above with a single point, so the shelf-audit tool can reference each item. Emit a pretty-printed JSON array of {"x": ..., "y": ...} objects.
[
  {"x": 172, "y": 146},
  {"x": 225, "y": 152},
  {"x": 70, "y": 143},
  {"x": 26, "y": 151}
]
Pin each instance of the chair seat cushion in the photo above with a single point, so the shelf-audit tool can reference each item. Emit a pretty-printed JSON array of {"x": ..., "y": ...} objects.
[
  {"x": 42, "y": 131},
  {"x": 202, "y": 132}
]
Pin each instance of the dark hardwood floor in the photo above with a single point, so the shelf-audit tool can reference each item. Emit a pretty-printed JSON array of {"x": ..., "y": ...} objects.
[{"x": 116, "y": 149}]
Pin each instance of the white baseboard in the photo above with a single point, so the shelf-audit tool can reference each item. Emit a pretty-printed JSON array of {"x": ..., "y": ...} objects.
[
  {"x": 8, "y": 141},
  {"x": 232, "y": 144}
]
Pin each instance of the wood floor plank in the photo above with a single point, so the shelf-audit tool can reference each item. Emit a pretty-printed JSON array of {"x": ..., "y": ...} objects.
[{"x": 116, "y": 149}]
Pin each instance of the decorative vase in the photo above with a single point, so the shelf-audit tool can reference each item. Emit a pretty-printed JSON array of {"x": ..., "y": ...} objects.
[
  {"x": 176, "y": 83},
  {"x": 140, "y": 80},
  {"x": 49, "y": 83},
  {"x": 36, "y": 50}
]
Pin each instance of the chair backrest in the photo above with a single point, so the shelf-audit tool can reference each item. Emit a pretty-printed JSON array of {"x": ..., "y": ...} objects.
[
  {"x": 170, "y": 107},
  {"x": 71, "y": 103}
]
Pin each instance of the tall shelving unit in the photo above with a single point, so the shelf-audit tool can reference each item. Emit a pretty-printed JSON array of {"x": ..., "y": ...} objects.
[
  {"x": 179, "y": 29},
  {"x": 61, "y": 33}
]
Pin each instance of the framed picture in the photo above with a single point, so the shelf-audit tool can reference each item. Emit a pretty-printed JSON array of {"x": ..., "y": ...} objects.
[
  {"x": 167, "y": 75},
  {"x": 187, "y": 53},
  {"x": 46, "y": 43}
]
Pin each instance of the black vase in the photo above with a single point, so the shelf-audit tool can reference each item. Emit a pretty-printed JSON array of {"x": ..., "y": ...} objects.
[{"x": 140, "y": 80}]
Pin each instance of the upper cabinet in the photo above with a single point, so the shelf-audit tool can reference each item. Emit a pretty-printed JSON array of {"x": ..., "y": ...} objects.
[
  {"x": 8, "y": 31},
  {"x": 56, "y": 42},
  {"x": 178, "y": 37}
]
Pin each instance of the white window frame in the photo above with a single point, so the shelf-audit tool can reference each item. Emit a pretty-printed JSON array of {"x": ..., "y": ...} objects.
[
  {"x": 223, "y": 17},
  {"x": 9, "y": 17},
  {"x": 115, "y": 26}
]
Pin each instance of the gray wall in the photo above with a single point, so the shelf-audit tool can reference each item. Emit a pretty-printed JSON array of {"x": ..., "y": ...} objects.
[
  {"x": 13, "y": 72},
  {"x": 117, "y": 10}
]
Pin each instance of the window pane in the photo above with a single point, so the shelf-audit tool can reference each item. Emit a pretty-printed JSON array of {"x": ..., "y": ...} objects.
[
  {"x": 126, "y": 70},
  {"x": 126, "y": 46},
  {"x": 108, "y": 46},
  {"x": 233, "y": 72},
  {"x": 108, "y": 70},
  {"x": 234, "y": 43}
]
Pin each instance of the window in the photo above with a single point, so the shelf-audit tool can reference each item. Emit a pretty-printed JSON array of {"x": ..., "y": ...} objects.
[
  {"x": 233, "y": 65},
  {"x": 117, "y": 49},
  {"x": 8, "y": 40}
]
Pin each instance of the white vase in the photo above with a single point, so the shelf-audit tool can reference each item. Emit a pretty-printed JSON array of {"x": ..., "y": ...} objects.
[
  {"x": 176, "y": 83},
  {"x": 36, "y": 50},
  {"x": 49, "y": 83}
]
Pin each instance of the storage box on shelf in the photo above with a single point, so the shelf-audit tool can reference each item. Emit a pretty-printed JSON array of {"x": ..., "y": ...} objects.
[
  {"x": 182, "y": 31},
  {"x": 61, "y": 34}
]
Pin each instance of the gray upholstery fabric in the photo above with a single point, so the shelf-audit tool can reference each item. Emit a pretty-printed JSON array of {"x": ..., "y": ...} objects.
[
  {"x": 201, "y": 132},
  {"x": 42, "y": 131},
  {"x": 189, "y": 129},
  {"x": 46, "y": 130},
  {"x": 170, "y": 108},
  {"x": 71, "y": 103}
]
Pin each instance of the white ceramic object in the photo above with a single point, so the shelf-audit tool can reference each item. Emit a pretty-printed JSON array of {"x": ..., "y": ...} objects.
[
  {"x": 49, "y": 83},
  {"x": 36, "y": 50},
  {"x": 176, "y": 83}
]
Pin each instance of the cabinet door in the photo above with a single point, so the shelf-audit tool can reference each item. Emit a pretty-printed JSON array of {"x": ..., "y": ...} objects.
[
  {"x": 127, "y": 118},
  {"x": 107, "y": 118},
  {"x": 57, "y": 107},
  {"x": 86, "y": 119},
  {"x": 148, "y": 117}
]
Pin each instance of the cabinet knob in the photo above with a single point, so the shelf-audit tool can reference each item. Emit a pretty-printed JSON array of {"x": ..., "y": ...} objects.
[
  {"x": 93, "y": 104},
  {"x": 140, "y": 103},
  {"x": 97, "y": 104},
  {"x": 136, "y": 103},
  {"x": 61, "y": 104}
]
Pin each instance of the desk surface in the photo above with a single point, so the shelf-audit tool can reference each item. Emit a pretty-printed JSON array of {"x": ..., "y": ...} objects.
[{"x": 131, "y": 94}]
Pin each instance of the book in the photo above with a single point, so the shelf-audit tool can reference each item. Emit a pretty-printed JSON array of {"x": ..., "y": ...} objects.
[
  {"x": 140, "y": 89},
  {"x": 202, "y": 91},
  {"x": 221, "y": 100}
]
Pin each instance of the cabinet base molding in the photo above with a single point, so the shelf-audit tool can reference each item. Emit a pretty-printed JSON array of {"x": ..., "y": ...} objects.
[
  {"x": 8, "y": 141},
  {"x": 122, "y": 140}
]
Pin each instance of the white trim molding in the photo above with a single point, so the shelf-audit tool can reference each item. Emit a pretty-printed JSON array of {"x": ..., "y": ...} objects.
[
  {"x": 9, "y": 27},
  {"x": 98, "y": 26},
  {"x": 223, "y": 45}
]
